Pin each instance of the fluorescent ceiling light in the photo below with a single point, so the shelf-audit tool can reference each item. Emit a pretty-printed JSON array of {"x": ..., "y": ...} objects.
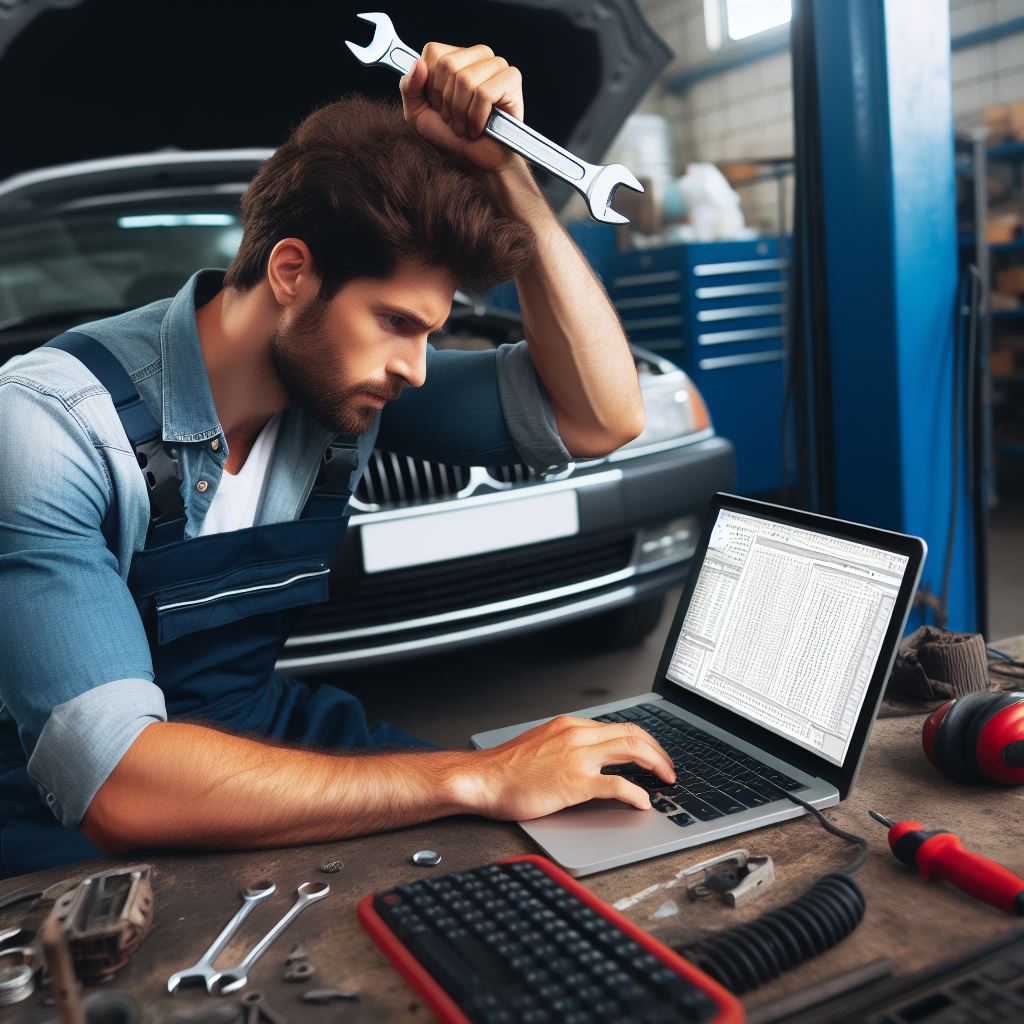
[
  {"x": 177, "y": 220},
  {"x": 748, "y": 17}
]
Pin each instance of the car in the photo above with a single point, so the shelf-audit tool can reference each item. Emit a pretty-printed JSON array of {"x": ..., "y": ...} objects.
[
  {"x": 595, "y": 547},
  {"x": 434, "y": 555}
]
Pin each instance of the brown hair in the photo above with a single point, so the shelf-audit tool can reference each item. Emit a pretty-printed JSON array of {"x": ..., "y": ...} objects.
[{"x": 364, "y": 191}]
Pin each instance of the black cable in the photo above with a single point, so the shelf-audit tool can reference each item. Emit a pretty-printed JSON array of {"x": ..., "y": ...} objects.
[
  {"x": 1003, "y": 663},
  {"x": 862, "y": 853},
  {"x": 747, "y": 956}
]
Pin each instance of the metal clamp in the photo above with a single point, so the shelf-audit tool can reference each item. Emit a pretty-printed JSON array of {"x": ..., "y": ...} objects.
[{"x": 735, "y": 878}]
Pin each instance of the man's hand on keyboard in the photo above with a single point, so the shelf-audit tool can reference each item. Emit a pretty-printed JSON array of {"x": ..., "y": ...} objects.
[{"x": 559, "y": 764}]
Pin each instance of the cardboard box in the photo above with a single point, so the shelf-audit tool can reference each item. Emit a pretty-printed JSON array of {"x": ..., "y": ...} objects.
[
  {"x": 997, "y": 120},
  {"x": 641, "y": 208},
  {"x": 1001, "y": 229},
  {"x": 1001, "y": 364},
  {"x": 1017, "y": 120},
  {"x": 1000, "y": 302},
  {"x": 1010, "y": 281}
]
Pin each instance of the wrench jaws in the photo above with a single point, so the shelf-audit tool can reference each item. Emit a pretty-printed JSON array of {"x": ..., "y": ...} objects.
[
  {"x": 596, "y": 183},
  {"x": 385, "y": 47},
  {"x": 203, "y": 971}
]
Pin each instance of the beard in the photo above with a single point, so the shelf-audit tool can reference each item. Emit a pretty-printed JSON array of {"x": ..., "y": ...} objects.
[{"x": 314, "y": 377}]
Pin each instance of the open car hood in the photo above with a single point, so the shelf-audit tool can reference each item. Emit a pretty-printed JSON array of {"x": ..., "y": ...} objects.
[{"x": 82, "y": 79}]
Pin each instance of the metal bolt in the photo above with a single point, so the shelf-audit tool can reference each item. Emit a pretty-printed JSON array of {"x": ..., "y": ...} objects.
[
  {"x": 331, "y": 867},
  {"x": 426, "y": 858}
]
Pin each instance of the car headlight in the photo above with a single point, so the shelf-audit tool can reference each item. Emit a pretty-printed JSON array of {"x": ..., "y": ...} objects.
[{"x": 674, "y": 408}]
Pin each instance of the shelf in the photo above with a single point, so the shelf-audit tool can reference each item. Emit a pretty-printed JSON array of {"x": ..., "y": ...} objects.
[
  {"x": 1007, "y": 246},
  {"x": 967, "y": 242},
  {"x": 1007, "y": 151}
]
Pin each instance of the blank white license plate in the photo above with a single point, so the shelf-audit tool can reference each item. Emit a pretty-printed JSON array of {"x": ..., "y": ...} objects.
[{"x": 419, "y": 540}]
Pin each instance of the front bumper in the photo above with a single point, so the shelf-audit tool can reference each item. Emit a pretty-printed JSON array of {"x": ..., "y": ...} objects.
[{"x": 386, "y": 615}]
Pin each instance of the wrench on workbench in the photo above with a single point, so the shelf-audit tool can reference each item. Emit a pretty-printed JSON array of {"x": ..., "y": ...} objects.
[
  {"x": 203, "y": 970},
  {"x": 234, "y": 978},
  {"x": 596, "y": 183}
]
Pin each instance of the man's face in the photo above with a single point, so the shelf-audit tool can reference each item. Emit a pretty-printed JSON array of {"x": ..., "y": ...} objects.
[{"x": 341, "y": 361}]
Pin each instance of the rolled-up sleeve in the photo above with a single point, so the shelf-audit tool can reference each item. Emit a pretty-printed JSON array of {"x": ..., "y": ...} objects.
[
  {"x": 527, "y": 410},
  {"x": 486, "y": 408},
  {"x": 76, "y": 674}
]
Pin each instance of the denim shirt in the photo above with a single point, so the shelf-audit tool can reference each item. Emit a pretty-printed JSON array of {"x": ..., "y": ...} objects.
[{"x": 76, "y": 676}]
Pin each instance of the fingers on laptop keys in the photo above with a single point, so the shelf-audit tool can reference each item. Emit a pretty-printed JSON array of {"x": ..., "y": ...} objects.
[{"x": 646, "y": 764}]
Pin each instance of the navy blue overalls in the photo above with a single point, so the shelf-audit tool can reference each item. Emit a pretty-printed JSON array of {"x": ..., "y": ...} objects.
[{"x": 217, "y": 611}]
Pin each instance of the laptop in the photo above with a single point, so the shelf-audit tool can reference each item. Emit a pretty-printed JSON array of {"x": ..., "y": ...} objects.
[{"x": 768, "y": 684}]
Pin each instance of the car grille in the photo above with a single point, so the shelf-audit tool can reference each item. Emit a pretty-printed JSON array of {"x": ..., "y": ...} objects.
[
  {"x": 466, "y": 583},
  {"x": 394, "y": 481}
]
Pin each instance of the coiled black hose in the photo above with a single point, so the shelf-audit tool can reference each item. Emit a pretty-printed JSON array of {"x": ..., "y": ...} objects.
[{"x": 747, "y": 956}]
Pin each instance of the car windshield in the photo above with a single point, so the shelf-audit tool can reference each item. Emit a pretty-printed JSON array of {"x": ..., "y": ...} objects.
[{"x": 112, "y": 258}]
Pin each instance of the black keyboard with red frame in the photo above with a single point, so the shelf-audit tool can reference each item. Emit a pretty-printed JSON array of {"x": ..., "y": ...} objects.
[{"x": 522, "y": 941}]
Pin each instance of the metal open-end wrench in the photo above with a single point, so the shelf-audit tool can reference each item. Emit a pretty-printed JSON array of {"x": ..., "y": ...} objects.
[
  {"x": 234, "y": 978},
  {"x": 203, "y": 970},
  {"x": 595, "y": 183}
]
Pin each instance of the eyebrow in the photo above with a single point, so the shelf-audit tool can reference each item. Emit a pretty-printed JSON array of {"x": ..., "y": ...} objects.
[{"x": 410, "y": 315}]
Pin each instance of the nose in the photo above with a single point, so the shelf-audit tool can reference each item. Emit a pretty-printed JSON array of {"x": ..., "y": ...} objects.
[{"x": 411, "y": 364}]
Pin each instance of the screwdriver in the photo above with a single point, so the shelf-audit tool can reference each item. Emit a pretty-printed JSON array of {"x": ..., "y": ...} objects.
[{"x": 940, "y": 854}]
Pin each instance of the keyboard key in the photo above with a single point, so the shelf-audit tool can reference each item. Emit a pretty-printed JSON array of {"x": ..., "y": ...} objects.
[
  {"x": 701, "y": 810},
  {"x": 765, "y": 789},
  {"x": 745, "y": 796},
  {"x": 724, "y": 803},
  {"x": 683, "y": 819}
]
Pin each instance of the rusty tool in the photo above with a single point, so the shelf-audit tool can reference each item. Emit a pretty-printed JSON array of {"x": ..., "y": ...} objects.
[{"x": 57, "y": 956}]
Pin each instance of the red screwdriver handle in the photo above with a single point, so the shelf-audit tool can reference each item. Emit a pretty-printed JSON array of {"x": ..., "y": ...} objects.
[{"x": 943, "y": 856}]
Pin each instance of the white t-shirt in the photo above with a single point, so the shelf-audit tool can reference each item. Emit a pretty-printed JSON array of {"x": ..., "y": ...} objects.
[{"x": 238, "y": 494}]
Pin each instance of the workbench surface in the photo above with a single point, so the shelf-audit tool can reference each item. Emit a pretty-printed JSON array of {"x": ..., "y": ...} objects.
[{"x": 912, "y": 922}]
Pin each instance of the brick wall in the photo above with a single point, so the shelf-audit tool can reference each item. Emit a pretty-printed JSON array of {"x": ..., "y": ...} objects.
[{"x": 748, "y": 112}]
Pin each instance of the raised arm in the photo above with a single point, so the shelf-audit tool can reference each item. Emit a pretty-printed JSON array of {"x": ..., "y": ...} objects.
[{"x": 574, "y": 335}]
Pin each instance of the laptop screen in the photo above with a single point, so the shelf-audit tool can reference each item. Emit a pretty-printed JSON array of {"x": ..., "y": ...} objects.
[{"x": 785, "y": 627}]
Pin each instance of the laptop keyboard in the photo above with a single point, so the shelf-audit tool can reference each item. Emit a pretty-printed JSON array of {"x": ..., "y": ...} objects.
[{"x": 713, "y": 778}]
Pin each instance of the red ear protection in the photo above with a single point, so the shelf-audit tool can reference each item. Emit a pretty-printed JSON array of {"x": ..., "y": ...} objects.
[{"x": 980, "y": 736}]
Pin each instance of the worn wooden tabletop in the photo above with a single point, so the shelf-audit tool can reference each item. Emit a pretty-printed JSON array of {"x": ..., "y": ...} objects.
[{"x": 912, "y": 922}]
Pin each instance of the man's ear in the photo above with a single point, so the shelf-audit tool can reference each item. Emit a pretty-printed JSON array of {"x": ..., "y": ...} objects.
[{"x": 290, "y": 273}]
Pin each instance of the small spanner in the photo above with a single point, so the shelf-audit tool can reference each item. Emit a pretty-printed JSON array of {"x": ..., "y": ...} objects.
[
  {"x": 594, "y": 182},
  {"x": 234, "y": 978},
  {"x": 256, "y": 1009},
  {"x": 203, "y": 970}
]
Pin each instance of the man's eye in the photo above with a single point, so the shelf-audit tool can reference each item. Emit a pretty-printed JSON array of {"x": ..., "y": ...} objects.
[{"x": 397, "y": 322}]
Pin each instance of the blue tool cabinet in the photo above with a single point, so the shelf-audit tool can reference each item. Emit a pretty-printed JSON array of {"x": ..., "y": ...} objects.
[{"x": 718, "y": 311}]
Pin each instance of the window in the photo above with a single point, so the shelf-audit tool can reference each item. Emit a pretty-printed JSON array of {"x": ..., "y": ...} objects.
[{"x": 731, "y": 20}]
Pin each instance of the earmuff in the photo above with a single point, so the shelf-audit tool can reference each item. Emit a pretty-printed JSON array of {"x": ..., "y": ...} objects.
[{"x": 979, "y": 736}]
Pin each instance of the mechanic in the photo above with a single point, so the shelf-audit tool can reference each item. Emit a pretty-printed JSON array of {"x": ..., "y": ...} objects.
[{"x": 139, "y": 632}]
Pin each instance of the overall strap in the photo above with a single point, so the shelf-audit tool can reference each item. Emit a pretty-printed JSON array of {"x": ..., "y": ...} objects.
[
  {"x": 331, "y": 491},
  {"x": 160, "y": 469}
]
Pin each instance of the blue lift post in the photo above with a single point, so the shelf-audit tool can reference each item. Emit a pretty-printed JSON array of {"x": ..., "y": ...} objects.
[{"x": 886, "y": 145}]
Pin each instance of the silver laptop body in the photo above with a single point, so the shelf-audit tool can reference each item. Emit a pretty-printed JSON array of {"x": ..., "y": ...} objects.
[{"x": 784, "y": 637}]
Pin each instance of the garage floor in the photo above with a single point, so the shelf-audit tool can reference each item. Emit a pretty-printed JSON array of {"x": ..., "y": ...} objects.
[{"x": 447, "y": 697}]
